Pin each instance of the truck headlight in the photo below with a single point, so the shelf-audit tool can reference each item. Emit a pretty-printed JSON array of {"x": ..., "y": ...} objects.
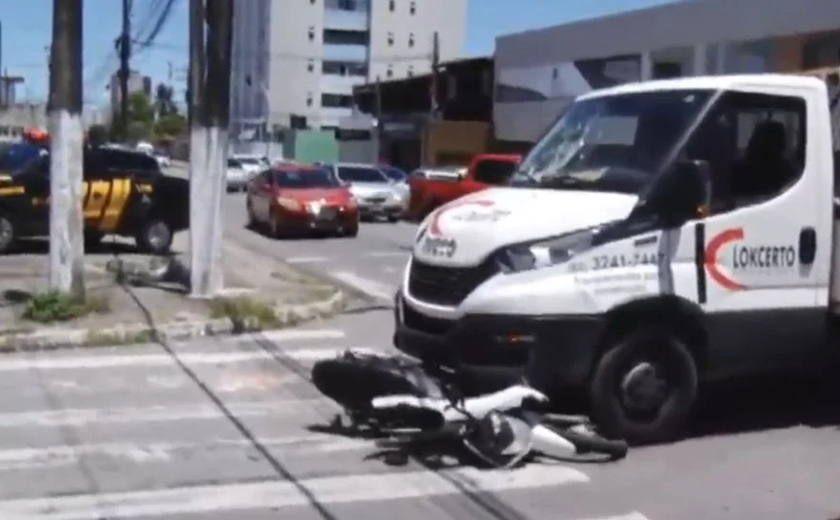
[{"x": 546, "y": 252}]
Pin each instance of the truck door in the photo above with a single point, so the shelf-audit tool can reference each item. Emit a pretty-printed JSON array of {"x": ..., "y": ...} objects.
[
  {"x": 754, "y": 254},
  {"x": 97, "y": 191}
]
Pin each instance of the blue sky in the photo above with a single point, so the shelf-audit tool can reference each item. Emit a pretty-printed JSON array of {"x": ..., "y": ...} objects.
[{"x": 26, "y": 26}]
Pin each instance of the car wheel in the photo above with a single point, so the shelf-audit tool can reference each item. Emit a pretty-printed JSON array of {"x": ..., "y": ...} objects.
[
  {"x": 274, "y": 227},
  {"x": 352, "y": 231},
  {"x": 155, "y": 237},
  {"x": 393, "y": 219},
  {"x": 252, "y": 221},
  {"x": 644, "y": 386},
  {"x": 93, "y": 239},
  {"x": 8, "y": 234}
]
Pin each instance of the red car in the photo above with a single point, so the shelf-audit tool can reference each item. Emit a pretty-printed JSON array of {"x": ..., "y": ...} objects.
[{"x": 296, "y": 199}]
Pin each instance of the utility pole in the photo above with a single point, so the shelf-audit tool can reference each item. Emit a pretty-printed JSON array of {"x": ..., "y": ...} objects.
[
  {"x": 379, "y": 134},
  {"x": 198, "y": 143},
  {"x": 210, "y": 135},
  {"x": 67, "y": 250},
  {"x": 125, "y": 70},
  {"x": 435, "y": 77}
]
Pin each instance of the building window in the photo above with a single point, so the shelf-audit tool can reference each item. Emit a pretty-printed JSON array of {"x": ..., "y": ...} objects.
[
  {"x": 411, "y": 40},
  {"x": 410, "y": 70},
  {"x": 391, "y": 5},
  {"x": 412, "y": 8},
  {"x": 309, "y": 99},
  {"x": 311, "y": 33},
  {"x": 390, "y": 72},
  {"x": 336, "y": 101},
  {"x": 390, "y": 39},
  {"x": 310, "y": 66},
  {"x": 312, "y": 2}
]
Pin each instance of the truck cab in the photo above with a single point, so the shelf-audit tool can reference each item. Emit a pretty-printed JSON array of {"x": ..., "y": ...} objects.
[{"x": 660, "y": 235}]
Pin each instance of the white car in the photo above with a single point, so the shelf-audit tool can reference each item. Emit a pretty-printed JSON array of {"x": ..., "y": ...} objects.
[
  {"x": 251, "y": 163},
  {"x": 237, "y": 175},
  {"x": 162, "y": 160}
]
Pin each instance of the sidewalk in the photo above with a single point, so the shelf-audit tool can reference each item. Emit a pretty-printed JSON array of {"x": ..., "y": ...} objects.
[{"x": 130, "y": 303}]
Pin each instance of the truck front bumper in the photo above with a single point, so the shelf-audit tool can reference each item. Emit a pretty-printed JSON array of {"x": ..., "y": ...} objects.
[{"x": 550, "y": 350}]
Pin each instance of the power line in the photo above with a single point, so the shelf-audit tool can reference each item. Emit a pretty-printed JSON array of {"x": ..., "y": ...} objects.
[{"x": 163, "y": 17}]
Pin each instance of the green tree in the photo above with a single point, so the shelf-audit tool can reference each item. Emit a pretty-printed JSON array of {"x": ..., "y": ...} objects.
[{"x": 170, "y": 126}]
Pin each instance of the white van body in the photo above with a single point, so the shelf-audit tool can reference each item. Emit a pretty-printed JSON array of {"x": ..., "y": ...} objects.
[{"x": 577, "y": 265}]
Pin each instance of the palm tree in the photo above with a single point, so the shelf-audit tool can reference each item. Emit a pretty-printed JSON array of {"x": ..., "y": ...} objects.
[{"x": 164, "y": 102}]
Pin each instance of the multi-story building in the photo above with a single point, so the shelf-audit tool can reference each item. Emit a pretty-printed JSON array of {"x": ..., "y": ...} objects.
[
  {"x": 136, "y": 83},
  {"x": 295, "y": 62}
]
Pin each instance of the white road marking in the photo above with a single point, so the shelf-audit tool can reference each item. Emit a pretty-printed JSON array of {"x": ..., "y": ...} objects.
[
  {"x": 83, "y": 416},
  {"x": 105, "y": 361},
  {"x": 365, "y": 285},
  {"x": 265, "y": 495},
  {"x": 388, "y": 254},
  {"x": 145, "y": 453},
  {"x": 307, "y": 259},
  {"x": 629, "y": 516},
  {"x": 317, "y": 354}
]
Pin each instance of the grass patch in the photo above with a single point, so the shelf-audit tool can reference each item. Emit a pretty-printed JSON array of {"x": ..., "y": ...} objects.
[
  {"x": 55, "y": 306},
  {"x": 102, "y": 339},
  {"x": 244, "y": 309}
]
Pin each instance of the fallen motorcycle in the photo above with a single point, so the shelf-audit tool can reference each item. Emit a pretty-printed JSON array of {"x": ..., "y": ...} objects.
[{"x": 410, "y": 402}]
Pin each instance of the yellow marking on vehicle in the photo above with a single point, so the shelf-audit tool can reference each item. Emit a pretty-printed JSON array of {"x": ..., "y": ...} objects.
[
  {"x": 97, "y": 197},
  {"x": 144, "y": 188},
  {"x": 120, "y": 191},
  {"x": 14, "y": 190},
  {"x": 40, "y": 201},
  {"x": 5, "y": 178}
]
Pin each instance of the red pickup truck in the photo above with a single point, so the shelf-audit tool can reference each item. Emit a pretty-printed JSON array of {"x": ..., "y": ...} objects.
[{"x": 434, "y": 187}]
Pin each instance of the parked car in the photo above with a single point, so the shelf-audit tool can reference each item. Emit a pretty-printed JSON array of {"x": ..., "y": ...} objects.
[
  {"x": 237, "y": 175},
  {"x": 429, "y": 192},
  {"x": 251, "y": 163},
  {"x": 162, "y": 160},
  {"x": 301, "y": 199},
  {"x": 376, "y": 194},
  {"x": 399, "y": 177}
]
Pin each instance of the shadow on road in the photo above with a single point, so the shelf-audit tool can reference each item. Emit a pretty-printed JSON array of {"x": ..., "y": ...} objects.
[{"x": 764, "y": 403}]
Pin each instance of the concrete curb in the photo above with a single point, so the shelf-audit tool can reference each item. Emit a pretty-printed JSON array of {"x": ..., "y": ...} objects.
[{"x": 56, "y": 338}]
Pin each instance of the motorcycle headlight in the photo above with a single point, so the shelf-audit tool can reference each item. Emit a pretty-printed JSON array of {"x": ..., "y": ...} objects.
[{"x": 547, "y": 252}]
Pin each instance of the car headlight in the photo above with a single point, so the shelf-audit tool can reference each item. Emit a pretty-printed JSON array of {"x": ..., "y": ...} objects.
[
  {"x": 290, "y": 204},
  {"x": 547, "y": 252}
]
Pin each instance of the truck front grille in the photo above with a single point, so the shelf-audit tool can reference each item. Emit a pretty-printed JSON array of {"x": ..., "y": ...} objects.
[{"x": 447, "y": 285}]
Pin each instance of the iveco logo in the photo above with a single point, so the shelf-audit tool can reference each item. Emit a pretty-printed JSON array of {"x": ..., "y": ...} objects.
[{"x": 444, "y": 247}]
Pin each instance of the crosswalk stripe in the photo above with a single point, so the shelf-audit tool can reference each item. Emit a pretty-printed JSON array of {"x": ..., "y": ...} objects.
[
  {"x": 283, "y": 494},
  {"x": 162, "y": 452},
  {"x": 82, "y": 416}
]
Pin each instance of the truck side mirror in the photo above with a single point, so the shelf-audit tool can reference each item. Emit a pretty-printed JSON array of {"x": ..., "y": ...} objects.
[{"x": 683, "y": 194}]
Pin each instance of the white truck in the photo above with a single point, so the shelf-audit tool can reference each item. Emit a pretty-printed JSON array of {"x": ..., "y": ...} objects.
[{"x": 659, "y": 235}]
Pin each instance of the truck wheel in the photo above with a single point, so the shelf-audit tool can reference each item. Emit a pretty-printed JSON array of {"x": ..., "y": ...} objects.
[
  {"x": 644, "y": 386},
  {"x": 155, "y": 237},
  {"x": 8, "y": 234},
  {"x": 93, "y": 239}
]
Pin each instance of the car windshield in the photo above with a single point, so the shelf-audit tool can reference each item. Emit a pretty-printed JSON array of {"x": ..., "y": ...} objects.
[
  {"x": 305, "y": 178},
  {"x": 14, "y": 158},
  {"x": 395, "y": 174},
  {"x": 233, "y": 163},
  {"x": 361, "y": 174},
  {"x": 612, "y": 143},
  {"x": 248, "y": 160}
]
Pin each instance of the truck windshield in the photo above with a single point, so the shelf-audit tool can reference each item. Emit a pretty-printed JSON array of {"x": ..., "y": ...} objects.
[{"x": 612, "y": 143}]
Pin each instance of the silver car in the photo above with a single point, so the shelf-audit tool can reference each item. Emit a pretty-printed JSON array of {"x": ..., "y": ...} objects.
[
  {"x": 237, "y": 175},
  {"x": 376, "y": 194}
]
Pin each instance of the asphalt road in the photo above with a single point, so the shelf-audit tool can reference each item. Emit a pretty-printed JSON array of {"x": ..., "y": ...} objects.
[{"x": 229, "y": 428}]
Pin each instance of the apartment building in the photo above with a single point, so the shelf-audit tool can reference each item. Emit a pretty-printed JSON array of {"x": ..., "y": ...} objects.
[{"x": 295, "y": 62}]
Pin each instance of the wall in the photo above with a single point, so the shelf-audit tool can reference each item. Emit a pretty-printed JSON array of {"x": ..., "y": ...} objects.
[
  {"x": 307, "y": 146},
  {"x": 454, "y": 142},
  {"x": 448, "y": 17},
  {"x": 684, "y": 37}
]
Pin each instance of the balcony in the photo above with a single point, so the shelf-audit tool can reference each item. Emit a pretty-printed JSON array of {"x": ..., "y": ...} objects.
[
  {"x": 346, "y": 20},
  {"x": 345, "y": 52},
  {"x": 339, "y": 84}
]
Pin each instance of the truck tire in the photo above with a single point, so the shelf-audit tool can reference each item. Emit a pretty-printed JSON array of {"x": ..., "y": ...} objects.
[
  {"x": 8, "y": 233},
  {"x": 155, "y": 237},
  {"x": 644, "y": 386}
]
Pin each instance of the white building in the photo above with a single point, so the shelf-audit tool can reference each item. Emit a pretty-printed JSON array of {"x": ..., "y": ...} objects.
[{"x": 295, "y": 62}]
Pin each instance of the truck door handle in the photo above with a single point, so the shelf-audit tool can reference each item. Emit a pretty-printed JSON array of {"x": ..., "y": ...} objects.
[{"x": 807, "y": 245}]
